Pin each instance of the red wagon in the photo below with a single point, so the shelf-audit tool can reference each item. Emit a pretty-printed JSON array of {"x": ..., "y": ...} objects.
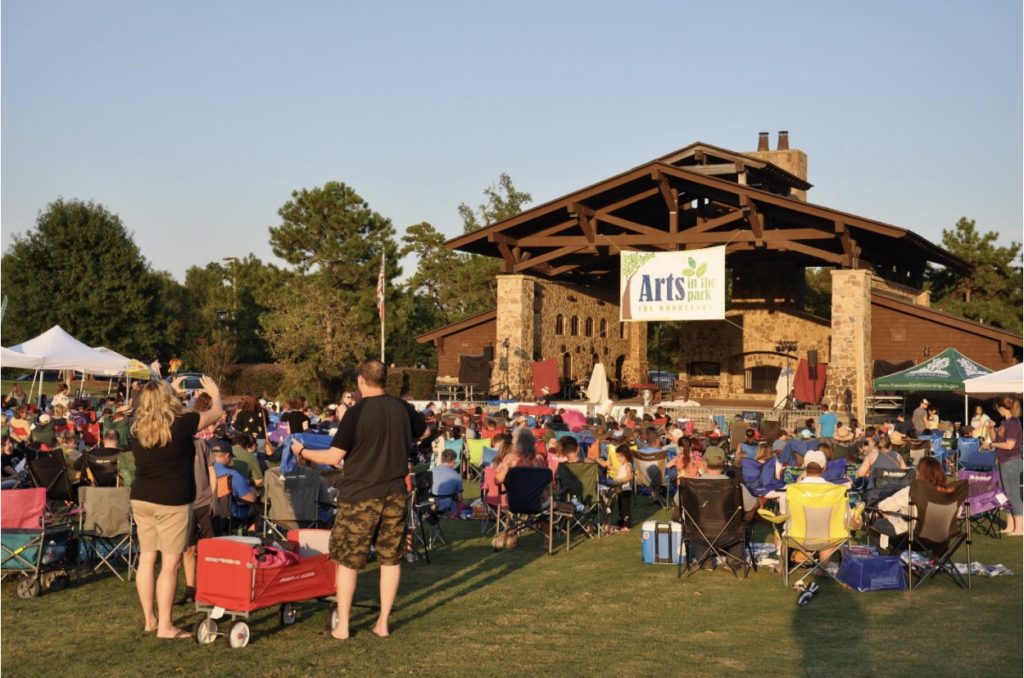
[{"x": 235, "y": 578}]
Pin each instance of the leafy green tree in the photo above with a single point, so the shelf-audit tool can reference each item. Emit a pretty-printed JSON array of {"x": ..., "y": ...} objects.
[
  {"x": 503, "y": 201},
  {"x": 992, "y": 292},
  {"x": 80, "y": 268},
  {"x": 332, "y": 232},
  {"x": 818, "y": 291},
  {"x": 411, "y": 315},
  {"x": 461, "y": 284},
  {"x": 311, "y": 329}
]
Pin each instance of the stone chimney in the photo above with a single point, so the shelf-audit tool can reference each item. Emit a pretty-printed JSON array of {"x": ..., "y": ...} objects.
[{"x": 792, "y": 160}]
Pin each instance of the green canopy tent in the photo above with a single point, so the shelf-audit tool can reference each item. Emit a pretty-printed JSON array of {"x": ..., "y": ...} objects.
[{"x": 945, "y": 372}]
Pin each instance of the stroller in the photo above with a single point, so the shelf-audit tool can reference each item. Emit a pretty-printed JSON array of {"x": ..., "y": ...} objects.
[{"x": 36, "y": 552}]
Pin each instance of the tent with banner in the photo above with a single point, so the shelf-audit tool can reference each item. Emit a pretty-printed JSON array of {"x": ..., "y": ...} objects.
[
  {"x": 948, "y": 371},
  {"x": 1009, "y": 380}
]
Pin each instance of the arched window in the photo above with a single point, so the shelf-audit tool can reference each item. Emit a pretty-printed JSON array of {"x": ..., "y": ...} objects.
[
  {"x": 574, "y": 326},
  {"x": 588, "y": 327},
  {"x": 559, "y": 325},
  {"x": 603, "y": 331}
]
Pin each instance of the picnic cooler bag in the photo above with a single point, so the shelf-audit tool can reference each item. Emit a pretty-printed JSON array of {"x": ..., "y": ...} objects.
[
  {"x": 864, "y": 570},
  {"x": 662, "y": 543},
  {"x": 239, "y": 575}
]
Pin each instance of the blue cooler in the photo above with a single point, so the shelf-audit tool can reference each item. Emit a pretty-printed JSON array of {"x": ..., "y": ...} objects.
[
  {"x": 662, "y": 543},
  {"x": 864, "y": 570}
]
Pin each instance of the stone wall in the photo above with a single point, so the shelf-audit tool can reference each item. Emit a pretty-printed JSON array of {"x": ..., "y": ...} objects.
[
  {"x": 528, "y": 315},
  {"x": 746, "y": 339},
  {"x": 792, "y": 160},
  {"x": 849, "y": 371},
  {"x": 515, "y": 322}
]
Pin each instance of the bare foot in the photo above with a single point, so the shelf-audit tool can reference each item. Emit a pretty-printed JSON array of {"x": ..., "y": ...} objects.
[
  {"x": 173, "y": 633},
  {"x": 381, "y": 632},
  {"x": 330, "y": 634}
]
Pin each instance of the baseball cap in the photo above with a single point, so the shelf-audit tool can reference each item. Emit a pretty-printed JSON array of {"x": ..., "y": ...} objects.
[
  {"x": 807, "y": 433},
  {"x": 714, "y": 454},
  {"x": 44, "y": 419},
  {"x": 815, "y": 457}
]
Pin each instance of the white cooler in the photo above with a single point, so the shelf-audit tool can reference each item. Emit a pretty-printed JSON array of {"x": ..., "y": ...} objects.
[{"x": 662, "y": 543}]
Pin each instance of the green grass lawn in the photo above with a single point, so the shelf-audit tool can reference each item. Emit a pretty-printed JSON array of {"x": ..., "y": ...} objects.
[{"x": 593, "y": 611}]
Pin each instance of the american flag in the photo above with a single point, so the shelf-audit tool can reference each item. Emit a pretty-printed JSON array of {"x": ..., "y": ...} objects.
[{"x": 380, "y": 289}]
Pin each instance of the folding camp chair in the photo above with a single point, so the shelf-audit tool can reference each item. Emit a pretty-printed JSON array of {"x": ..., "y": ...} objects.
[
  {"x": 414, "y": 529},
  {"x": 711, "y": 512},
  {"x": 525, "y": 489},
  {"x": 578, "y": 484},
  {"x": 850, "y": 452},
  {"x": 456, "y": 446},
  {"x": 973, "y": 458},
  {"x": 815, "y": 522},
  {"x": 749, "y": 449},
  {"x": 427, "y": 507},
  {"x": 492, "y": 496},
  {"x": 886, "y": 482},
  {"x": 102, "y": 468},
  {"x": 31, "y": 548},
  {"x": 649, "y": 476},
  {"x": 294, "y": 500},
  {"x": 475, "y": 456},
  {"x": 759, "y": 477},
  {"x": 49, "y": 471},
  {"x": 986, "y": 499},
  {"x": 106, "y": 529},
  {"x": 938, "y": 527}
]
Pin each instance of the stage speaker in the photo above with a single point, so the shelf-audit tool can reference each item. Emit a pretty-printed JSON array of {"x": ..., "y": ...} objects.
[
  {"x": 812, "y": 358},
  {"x": 488, "y": 353}
]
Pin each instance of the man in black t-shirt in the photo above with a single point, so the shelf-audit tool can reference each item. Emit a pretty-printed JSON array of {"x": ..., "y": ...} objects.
[{"x": 373, "y": 439}]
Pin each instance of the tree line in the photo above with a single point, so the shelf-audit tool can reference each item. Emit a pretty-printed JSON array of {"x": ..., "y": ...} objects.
[{"x": 80, "y": 267}]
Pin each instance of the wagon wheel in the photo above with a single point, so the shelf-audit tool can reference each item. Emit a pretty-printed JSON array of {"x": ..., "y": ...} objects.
[
  {"x": 332, "y": 617},
  {"x": 59, "y": 582},
  {"x": 28, "y": 587},
  {"x": 238, "y": 635},
  {"x": 205, "y": 631},
  {"x": 287, "y": 614}
]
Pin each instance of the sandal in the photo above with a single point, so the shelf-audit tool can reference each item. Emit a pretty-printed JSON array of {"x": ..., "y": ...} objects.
[{"x": 180, "y": 635}]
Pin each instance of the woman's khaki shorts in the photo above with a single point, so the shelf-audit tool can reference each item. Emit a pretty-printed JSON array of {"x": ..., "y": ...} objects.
[{"x": 161, "y": 528}]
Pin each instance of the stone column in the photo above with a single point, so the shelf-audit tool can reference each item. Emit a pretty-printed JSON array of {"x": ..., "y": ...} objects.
[
  {"x": 850, "y": 369},
  {"x": 515, "y": 323},
  {"x": 634, "y": 368}
]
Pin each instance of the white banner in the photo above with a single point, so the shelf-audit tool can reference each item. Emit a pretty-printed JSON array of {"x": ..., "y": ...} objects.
[{"x": 672, "y": 285}]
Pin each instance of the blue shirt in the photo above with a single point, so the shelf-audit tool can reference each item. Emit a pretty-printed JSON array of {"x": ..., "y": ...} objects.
[
  {"x": 446, "y": 482},
  {"x": 239, "y": 488},
  {"x": 828, "y": 422}
]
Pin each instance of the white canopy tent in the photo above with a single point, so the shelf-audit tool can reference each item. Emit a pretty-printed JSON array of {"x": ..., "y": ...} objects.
[
  {"x": 58, "y": 350},
  {"x": 1010, "y": 380},
  {"x": 9, "y": 358}
]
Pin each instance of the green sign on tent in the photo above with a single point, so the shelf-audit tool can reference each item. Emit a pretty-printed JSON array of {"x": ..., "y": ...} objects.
[{"x": 945, "y": 372}]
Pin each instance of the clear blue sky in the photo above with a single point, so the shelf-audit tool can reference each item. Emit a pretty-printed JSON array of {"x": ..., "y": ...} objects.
[{"x": 195, "y": 121}]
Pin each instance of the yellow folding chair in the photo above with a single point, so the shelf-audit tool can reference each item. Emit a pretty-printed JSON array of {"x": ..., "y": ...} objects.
[
  {"x": 815, "y": 522},
  {"x": 475, "y": 456}
]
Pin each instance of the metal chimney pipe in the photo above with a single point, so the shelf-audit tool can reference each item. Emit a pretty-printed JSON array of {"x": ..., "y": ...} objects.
[
  {"x": 762, "y": 141},
  {"x": 783, "y": 141}
]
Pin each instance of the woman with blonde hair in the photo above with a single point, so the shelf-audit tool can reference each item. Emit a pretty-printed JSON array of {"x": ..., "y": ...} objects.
[{"x": 163, "y": 492}]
